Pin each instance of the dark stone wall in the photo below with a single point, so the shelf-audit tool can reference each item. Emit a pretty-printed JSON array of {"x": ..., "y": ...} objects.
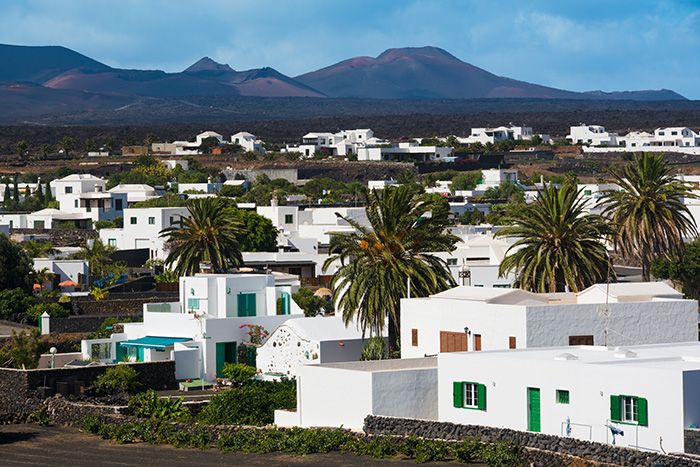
[
  {"x": 83, "y": 323},
  {"x": 19, "y": 389},
  {"x": 540, "y": 449},
  {"x": 692, "y": 440},
  {"x": 61, "y": 237},
  {"x": 120, "y": 304}
]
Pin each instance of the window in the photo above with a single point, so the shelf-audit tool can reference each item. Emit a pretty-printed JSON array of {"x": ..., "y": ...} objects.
[
  {"x": 172, "y": 220},
  {"x": 39, "y": 224},
  {"x": 562, "y": 396},
  {"x": 246, "y": 304},
  {"x": 674, "y": 133},
  {"x": 629, "y": 409},
  {"x": 288, "y": 218},
  {"x": 587, "y": 192},
  {"x": 452, "y": 261},
  {"x": 118, "y": 205},
  {"x": 69, "y": 190},
  {"x": 132, "y": 221},
  {"x": 151, "y": 221},
  {"x": 580, "y": 340},
  {"x": 469, "y": 395},
  {"x": 112, "y": 242},
  {"x": 76, "y": 203},
  {"x": 193, "y": 304},
  {"x": 511, "y": 342},
  {"x": 101, "y": 351},
  {"x": 414, "y": 337},
  {"x": 661, "y": 133}
]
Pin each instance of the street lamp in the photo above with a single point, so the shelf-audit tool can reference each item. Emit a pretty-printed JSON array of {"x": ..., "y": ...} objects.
[
  {"x": 464, "y": 274},
  {"x": 53, "y": 351}
]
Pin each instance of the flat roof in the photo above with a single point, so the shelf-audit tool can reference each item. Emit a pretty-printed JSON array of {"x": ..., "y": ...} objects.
[
  {"x": 373, "y": 366},
  {"x": 674, "y": 356}
]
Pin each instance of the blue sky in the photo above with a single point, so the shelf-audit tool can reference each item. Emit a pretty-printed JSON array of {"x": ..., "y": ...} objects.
[{"x": 569, "y": 44}]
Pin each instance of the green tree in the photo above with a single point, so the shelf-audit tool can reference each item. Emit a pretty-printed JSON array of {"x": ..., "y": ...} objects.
[
  {"x": 683, "y": 269},
  {"x": 98, "y": 256},
  {"x": 39, "y": 248},
  {"x": 66, "y": 144},
  {"x": 46, "y": 149},
  {"x": 210, "y": 234},
  {"x": 22, "y": 147},
  {"x": 16, "y": 268},
  {"x": 310, "y": 303},
  {"x": 505, "y": 191},
  {"x": 7, "y": 200},
  {"x": 378, "y": 262},
  {"x": 48, "y": 197},
  {"x": 649, "y": 213},
  {"x": 465, "y": 181},
  {"x": 15, "y": 188},
  {"x": 258, "y": 233},
  {"x": 558, "y": 246},
  {"x": 22, "y": 350},
  {"x": 14, "y": 303}
]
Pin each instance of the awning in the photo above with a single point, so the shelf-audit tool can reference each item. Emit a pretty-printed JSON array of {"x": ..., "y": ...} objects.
[{"x": 151, "y": 342}]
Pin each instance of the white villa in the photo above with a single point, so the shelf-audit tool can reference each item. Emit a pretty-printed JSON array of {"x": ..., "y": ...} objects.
[
  {"x": 142, "y": 227},
  {"x": 649, "y": 392},
  {"x": 479, "y": 318},
  {"x": 593, "y": 135},
  {"x": 186, "y": 148},
  {"x": 343, "y": 143},
  {"x": 248, "y": 141},
  {"x": 203, "y": 329},
  {"x": 405, "y": 151},
  {"x": 662, "y": 138},
  {"x": 135, "y": 192},
  {"x": 501, "y": 133}
]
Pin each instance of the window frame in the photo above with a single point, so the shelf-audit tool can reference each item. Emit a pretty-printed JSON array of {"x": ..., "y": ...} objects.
[
  {"x": 151, "y": 220},
  {"x": 563, "y": 396},
  {"x": 133, "y": 220},
  {"x": 288, "y": 219},
  {"x": 634, "y": 407},
  {"x": 470, "y": 391},
  {"x": 464, "y": 390}
]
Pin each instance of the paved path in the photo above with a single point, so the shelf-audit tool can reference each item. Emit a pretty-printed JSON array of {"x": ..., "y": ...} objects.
[{"x": 24, "y": 445}]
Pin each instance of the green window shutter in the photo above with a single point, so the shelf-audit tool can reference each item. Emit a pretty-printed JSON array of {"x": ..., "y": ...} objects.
[
  {"x": 481, "y": 397},
  {"x": 457, "y": 394},
  {"x": 220, "y": 358},
  {"x": 251, "y": 304},
  {"x": 615, "y": 408},
  {"x": 643, "y": 418},
  {"x": 242, "y": 305}
]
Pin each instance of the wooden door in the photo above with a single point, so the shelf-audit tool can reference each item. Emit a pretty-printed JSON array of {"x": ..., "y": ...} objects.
[
  {"x": 477, "y": 342},
  {"x": 453, "y": 341}
]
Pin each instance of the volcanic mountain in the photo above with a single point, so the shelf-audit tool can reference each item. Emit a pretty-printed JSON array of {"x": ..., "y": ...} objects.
[{"x": 433, "y": 73}]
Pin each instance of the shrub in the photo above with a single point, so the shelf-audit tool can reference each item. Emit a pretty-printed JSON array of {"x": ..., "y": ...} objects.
[
  {"x": 500, "y": 454},
  {"x": 22, "y": 350},
  {"x": 149, "y": 405},
  {"x": 468, "y": 451},
  {"x": 253, "y": 404},
  {"x": 14, "y": 302},
  {"x": 239, "y": 373},
  {"x": 39, "y": 417},
  {"x": 374, "y": 349},
  {"x": 53, "y": 309},
  {"x": 117, "y": 379},
  {"x": 106, "y": 326}
]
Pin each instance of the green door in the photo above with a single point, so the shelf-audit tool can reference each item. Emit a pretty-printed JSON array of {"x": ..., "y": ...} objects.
[
  {"x": 139, "y": 354},
  {"x": 285, "y": 303},
  {"x": 533, "y": 409},
  {"x": 225, "y": 353},
  {"x": 121, "y": 352},
  {"x": 246, "y": 304}
]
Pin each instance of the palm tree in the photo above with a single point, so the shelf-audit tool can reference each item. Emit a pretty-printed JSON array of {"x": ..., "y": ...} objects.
[
  {"x": 558, "y": 246},
  {"x": 209, "y": 234},
  {"x": 43, "y": 276},
  {"x": 98, "y": 256},
  {"x": 648, "y": 212},
  {"x": 378, "y": 262}
]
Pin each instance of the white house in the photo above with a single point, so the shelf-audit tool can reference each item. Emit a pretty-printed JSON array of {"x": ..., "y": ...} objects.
[
  {"x": 186, "y": 148},
  {"x": 248, "y": 141},
  {"x": 142, "y": 227},
  {"x": 207, "y": 187},
  {"x": 501, "y": 133},
  {"x": 343, "y": 394},
  {"x": 309, "y": 341},
  {"x": 405, "y": 151},
  {"x": 381, "y": 184},
  {"x": 649, "y": 392},
  {"x": 86, "y": 195},
  {"x": 490, "y": 178},
  {"x": 478, "y": 318},
  {"x": 135, "y": 192},
  {"x": 662, "y": 138},
  {"x": 173, "y": 163},
  {"x": 593, "y": 135},
  {"x": 593, "y": 193},
  {"x": 342, "y": 143},
  {"x": 203, "y": 329},
  {"x": 76, "y": 270}
]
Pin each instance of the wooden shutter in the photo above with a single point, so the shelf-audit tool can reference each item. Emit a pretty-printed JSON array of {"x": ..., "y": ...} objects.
[
  {"x": 414, "y": 337},
  {"x": 642, "y": 407},
  {"x": 481, "y": 396},
  {"x": 615, "y": 408},
  {"x": 453, "y": 341},
  {"x": 457, "y": 394},
  {"x": 511, "y": 342},
  {"x": 477, "y": 341}
]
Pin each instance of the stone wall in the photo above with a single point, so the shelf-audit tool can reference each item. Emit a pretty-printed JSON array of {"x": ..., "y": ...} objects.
[
  {"x": 20, "y": 389},
  {"x": 58, "y": 237},
  {"x": 692, "y": 440},
  {"x": 118, "y": 304},
  {"x": 540, "y": 449},
  {"x": 84, "y": 323}
]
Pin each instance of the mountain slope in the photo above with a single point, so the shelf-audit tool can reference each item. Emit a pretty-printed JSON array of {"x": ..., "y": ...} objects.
[
  {"x": 433, "y": 73},
  {"x": 39, "y": 64}
]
